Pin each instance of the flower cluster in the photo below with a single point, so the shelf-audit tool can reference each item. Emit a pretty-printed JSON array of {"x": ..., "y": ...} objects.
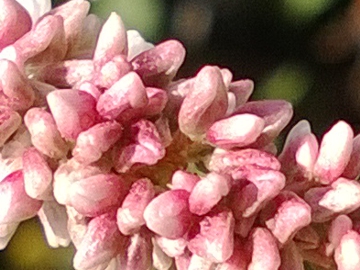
[{"x": 139, "y": 170}]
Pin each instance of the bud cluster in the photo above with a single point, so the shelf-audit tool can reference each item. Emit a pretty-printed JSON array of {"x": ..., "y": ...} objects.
[{"x": 139, "y": 170}]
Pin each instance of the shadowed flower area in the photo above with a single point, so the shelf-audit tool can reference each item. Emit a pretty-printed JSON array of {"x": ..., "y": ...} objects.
[{"x": 138, "y": 169}]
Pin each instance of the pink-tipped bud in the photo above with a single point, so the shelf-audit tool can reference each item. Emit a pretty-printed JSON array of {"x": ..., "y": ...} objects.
[
  {"x": 159, "y": 65},
  {"x": 236, "y": 131},
  {"x": 73, "y": 111},
  {"x": 215, "y": 241},
  {"x": 16, "y": 205},
  {"x": 334, "y": 153},
  {"x": 168, "y": 214},
  {"x": 44, "y": 133},
  {"x": 130, "y": 216},
  {"x": 37, "y": 175}
]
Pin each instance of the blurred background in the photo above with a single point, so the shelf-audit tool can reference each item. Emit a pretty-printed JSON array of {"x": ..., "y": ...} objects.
[{"x": 304, "y": 51}]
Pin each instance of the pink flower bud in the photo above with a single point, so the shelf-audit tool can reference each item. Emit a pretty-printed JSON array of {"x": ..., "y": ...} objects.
[
  {"x": 347, "y": 254},
  {"x": 130, "y": 214},
  {"x": 15, "y": 91},
  {"x": 215, "y": 241},
  {"x": 334, "y": 153},
  {"x": 101, "y": 243},
  {"x": 275, "y": 113},
  {"x": 15, "y": 22},
  {"x": 340, "y": 226},
  {"x": 97, "y": 194},
  {"x": 168, "y": 214},
  {"x": 112, "y": 39},
  {"x": 229, "y": 161},
  {"x": 204, "y": 104},
  {"x": 172, "y": 247},
  {"x": 37, "y": 175},
  {"x": 341, "y": 198},
  {"x": 73, "y": 14},
  {"x": 184, "y": 180},
  {"x": 197, "y": 262},
  {"x": 137, "y": 254},
  {"x": 73, "y": 111},
  {"x": 9, "y": 122},
  {"x": 147, "y": 147},
  {"x": 126, "y": 94},
  {"x": 265, "y": 253},
  {"x": 266, "y": 185},
  {"x": 92, "y": 143},
  {"x": 159, "y": 65},
  {"x": 68, "y": 73},
  {"x": 236, "y": 131},
  {"x": 242, "y": 90},
  {"x": 208, "y": 192},
  {"x": 16, "y": 205},
  {"x": 44, "y": 133},
  {"x": 53, "y": 217},
  {"x": 291, "y": 213}
]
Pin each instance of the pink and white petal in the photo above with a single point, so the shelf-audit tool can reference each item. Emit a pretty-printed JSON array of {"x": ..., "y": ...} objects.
[
  {"x": 73, "y": 111},
  {"x": 15, "y": 22},
  {"x": 160, "y": 260},
  {"x": 36, "y": 8},
  {"x": 340, "y": 226},
  {"x": 73, "y": 13},
  {"x": 70, "y": 172},
  {"x": 334, "y": 154},
  {"x": 205, "y": 103},
  {"x": 182, "y": 262},
  {"x": 159, "y": 65},
  {"x": 215, "y": 241},
  {"x": 236, "y": 131},
  {"x": 16, "y": 92},
  {"x": 268, "y": 184},
  {"x": 264, "y": 250},
  {"x": 112, "y": 39},
  {"x": 7, "y": 231},
  {"x": 184, "y": 180},
  {"x": 197, "y": 262},
  {"x": 10, "y": 121},
  {"x": 228, "y": 161},
  {"x": 130, "y": 215},
  {"x": 352, "y": 169},
  {"x": 37, "y": 175},
  {"x": 54, "y": 219},
  {"x": 136, "y": 44},
  {"x": 44, "y": 133},
  {"x": 97, "y": 194},
  {"x": 138, "y": 253},
  {"x": 242, "y": 89},
  {"x": 300, "y": 151},
  {"x": 208, "y": 192},
  {"x": 92, "y": 143},
  {"x": 344, "y": 196},
  {"x": 291, "y": 214},
  {"x": 168, "y": 214},
  {"x": 171, "y": 247},
  {"x": 275, "y": 113},
  {"x": 101, "y": 243},
  {"x": 16, "y": 205},
  {"x": 68, "y": 73},
  {"x": 127, "y": 93},
  {"x": 347, "y": 254}
]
